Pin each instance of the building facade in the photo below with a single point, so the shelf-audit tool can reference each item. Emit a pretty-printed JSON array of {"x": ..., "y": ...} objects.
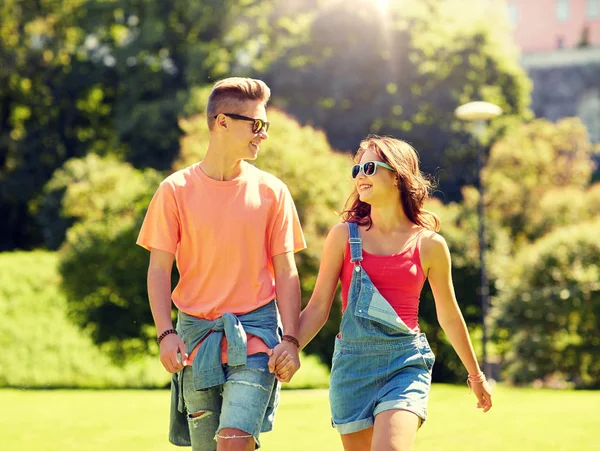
[
  {"x": 547, "y": 25},
  {"x": 560, "y": 46}
]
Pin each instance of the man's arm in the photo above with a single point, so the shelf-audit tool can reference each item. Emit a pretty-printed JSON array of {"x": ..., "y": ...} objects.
[
  {"x": 159, "y": 294},
  {"x": 287, "y": 286}
]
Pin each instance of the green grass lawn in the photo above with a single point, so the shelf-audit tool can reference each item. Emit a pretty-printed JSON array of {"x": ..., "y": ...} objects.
[{"x": 86, "y": 420}]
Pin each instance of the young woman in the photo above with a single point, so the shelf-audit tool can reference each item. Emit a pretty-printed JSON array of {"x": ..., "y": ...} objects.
[{"x": 382, "y": 254}]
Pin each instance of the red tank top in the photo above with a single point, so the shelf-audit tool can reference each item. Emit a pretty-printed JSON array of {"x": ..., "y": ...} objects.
[{"x": 398, "y": 277}]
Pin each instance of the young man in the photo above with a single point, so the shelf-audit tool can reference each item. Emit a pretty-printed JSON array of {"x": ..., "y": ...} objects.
[{"x": 233, "y": 230}]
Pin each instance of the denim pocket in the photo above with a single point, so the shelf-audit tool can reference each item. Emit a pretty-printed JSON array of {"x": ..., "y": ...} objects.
[{"x": 426, "y": 354}]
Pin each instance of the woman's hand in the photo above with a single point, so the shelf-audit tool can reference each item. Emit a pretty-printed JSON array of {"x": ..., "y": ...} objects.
[
  {"x": 483, "y": 392},
  {"x": 284, "y": 361}
]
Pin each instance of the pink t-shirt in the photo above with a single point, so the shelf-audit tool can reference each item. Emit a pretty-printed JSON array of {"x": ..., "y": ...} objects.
[
  {"x": 398, "y": 277},
  {"x": 223, "y": 235}
]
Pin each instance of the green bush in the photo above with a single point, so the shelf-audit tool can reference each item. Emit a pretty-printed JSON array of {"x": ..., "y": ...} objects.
[
  {"x": 536, "y": 176},
  {"x": 547, "y": 311},
  {"x": 103, "y": 272},
  {"x": 41, "y": 347}
]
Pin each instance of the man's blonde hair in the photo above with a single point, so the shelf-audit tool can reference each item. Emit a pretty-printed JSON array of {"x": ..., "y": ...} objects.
[{"x": 229, "y": 95}]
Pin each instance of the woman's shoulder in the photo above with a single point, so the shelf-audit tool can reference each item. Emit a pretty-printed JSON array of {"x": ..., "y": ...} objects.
[
  {"x": 431, "y": 235},
  {"x": 339, "y": 232},
  {"x": 433, "y": 243},
  {"x": 337, "y": 238}
]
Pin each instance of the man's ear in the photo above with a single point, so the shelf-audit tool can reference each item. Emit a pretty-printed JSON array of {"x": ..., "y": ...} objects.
[{"x": 221, "y": 121}]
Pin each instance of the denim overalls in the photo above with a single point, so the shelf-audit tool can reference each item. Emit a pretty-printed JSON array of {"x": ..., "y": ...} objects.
[{"x": 379, "y": 363}]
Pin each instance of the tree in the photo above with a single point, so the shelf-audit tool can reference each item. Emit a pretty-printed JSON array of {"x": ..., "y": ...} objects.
[
  {"x": 89, "y": 189},
  {"x": 403, "y": 72},
  {"x": 112, "y": 77},
  {"x": 539, "y": 198},
  {"x": 536, "y": 178},
  {"x": 547, "y": 312},
  {"x": 102, "y": 270},
  {"x": 52, "y": 108}
]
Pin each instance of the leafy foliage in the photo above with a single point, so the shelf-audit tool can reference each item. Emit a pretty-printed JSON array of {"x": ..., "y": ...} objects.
[
  {"x": 103, "y": 272},
  {"x": 403, "y": 72},
  {"x": 88, "y": 188},
  {"x": 52, "y": 107},
  {"x": 539, "y": 199},
  {"x": 536, "y": 178},
  {"x": 548, "y": 309},
  {"x": 113, "y": 77},
  {"x": 42, "y": 347}
]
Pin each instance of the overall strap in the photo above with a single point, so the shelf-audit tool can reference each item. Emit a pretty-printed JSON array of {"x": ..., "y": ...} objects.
[
  {"x": 355, "y": 243},
  {"x": 415, "y": 240}
]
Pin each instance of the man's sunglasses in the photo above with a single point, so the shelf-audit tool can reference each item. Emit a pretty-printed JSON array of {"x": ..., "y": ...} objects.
[
  {"x": 258, "y": 124},
  {"x": 369, "y": 168}
]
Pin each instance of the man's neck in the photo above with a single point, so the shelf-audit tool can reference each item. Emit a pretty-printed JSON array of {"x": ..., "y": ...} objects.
[{"x": 217, "y": 166}]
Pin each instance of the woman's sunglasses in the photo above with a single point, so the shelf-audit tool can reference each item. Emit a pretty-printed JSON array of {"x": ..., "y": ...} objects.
[
  {"x": 258, "y": 124},
  {"x": 369, "y": 168}
]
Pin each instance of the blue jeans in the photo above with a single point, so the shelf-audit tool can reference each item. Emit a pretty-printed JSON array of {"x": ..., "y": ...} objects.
[{"x": 242, "y": 402}]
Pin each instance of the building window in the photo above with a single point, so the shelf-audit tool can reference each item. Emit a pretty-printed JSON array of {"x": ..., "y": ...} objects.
[
  {"x": 562, "y": 10},
  {"x": 592, "y": 9},
  {"x": 588, "y": 110},
  {"x": 513, "y": 14}
]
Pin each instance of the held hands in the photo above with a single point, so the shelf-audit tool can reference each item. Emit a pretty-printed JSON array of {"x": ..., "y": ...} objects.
[
  {"x": 284, "y": 361},
  {"x": 173, "y": 354}
]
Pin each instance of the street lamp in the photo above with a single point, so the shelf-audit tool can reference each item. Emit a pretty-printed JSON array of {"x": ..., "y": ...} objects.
[{"x": 478, "y": 113}]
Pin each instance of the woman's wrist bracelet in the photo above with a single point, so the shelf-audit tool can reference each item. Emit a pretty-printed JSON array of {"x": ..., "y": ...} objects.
[
  {"x": 164, "y": 334},
  {"x": 475, "y": 379},
  {"x": 291, "y": 339}
]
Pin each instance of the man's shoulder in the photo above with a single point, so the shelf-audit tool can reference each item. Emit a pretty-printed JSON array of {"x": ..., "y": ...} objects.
[
  {"x": 180, "y": 178},
  {"x": 266, "y": 179}
]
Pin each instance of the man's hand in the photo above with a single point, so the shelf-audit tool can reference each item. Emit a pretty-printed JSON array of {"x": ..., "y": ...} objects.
[
  {"x": 284, "y": 361},
  {"x": 173, "y": 354}
]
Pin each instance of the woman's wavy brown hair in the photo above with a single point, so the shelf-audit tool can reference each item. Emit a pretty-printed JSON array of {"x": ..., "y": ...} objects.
[{"x": 414, "y": 188}]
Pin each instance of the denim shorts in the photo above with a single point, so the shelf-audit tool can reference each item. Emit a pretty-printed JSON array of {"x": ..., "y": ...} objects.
[
  {"x": 369, "y": 379},
  {"x": 246, "y": 401}
]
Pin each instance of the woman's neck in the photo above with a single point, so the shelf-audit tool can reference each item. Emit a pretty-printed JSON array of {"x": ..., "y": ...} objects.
[{"x": 390, "y": 218}]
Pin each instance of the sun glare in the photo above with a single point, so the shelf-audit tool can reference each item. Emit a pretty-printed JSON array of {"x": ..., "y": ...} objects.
[{"x": 382, "y": 4}]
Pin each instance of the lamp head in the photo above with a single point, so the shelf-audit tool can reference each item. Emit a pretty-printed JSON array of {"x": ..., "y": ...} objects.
[{"x": 477, "y": 111}]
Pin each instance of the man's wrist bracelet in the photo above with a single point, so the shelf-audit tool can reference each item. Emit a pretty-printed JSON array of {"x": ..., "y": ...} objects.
[
  {"x": 164, "y": 334},
  {"x": 291, "y": 339}
]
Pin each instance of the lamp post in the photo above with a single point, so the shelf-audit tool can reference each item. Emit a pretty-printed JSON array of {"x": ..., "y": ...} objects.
[{"x": 478, "y": 113}]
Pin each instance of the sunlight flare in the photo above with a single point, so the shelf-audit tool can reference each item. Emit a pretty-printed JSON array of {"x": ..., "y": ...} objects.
[{"x": 382, "y": 4}]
